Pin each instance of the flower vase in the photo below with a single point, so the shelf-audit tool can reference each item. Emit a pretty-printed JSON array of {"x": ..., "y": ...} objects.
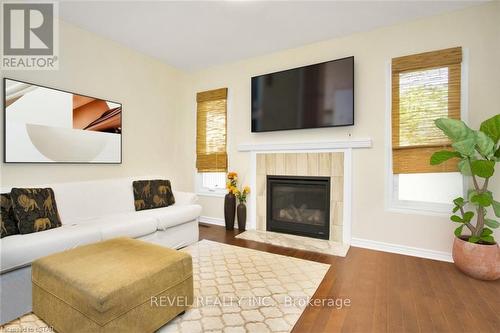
[
  {"x": 242, "y": 216},
  {"x": 229, "y": 210}
]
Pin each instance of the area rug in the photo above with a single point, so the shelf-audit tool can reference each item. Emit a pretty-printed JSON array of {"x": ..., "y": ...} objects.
[
  {"x": 296, "y": 242},
  {"x": 236, "y": 290}
]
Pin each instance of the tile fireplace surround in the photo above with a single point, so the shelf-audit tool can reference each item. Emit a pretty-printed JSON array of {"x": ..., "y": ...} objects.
[
  {"x": 324, "y": 158},
  {"x": 328, "y": 164}
]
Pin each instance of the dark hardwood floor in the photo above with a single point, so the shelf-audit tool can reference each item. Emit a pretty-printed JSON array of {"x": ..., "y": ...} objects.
[{"x": 388, "y": 292}]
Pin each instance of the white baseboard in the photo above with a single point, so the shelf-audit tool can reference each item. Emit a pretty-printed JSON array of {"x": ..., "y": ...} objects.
[
  {"x": 401, "y": 249},
  {"x": 214, "y": 221},
  {"x": 369, "y": 244}
]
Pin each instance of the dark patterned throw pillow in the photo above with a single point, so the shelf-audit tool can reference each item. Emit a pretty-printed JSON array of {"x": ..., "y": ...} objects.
[
  {"x": 35, "y": 209},
  {"x": 9, "y": 224},
  {"x": 149, "y": 194}
]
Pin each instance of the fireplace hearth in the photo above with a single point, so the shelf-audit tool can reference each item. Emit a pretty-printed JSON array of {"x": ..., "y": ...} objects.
[{"x": 299, "y": 205}]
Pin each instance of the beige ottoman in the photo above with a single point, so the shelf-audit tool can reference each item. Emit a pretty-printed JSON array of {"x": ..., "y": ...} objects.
[{"x": 120, "y": 285}]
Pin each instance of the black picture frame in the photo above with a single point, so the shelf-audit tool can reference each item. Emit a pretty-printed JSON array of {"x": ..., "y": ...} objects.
[{"x": 4, "y": 81}]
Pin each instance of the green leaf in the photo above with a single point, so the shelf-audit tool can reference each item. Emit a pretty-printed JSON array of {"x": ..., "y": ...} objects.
[
  {"x": 464, "y": 167},
  {"x": 465, "y": 147},
  {"x": 454, "y": 129},
  {"x": 496, "y": 208},
  {"x": 497, "y": 154},
  {"x": 456, "y": 218},
  {"x": 492, "y": 223},
  {"x": 459, "y": 201},
  {"x": 442, "y": 156},
  {"x": 455, "y": 209},
  {"x": 486, "y": 232},
  {"x": 483, "y": 199},
  {"x": 483, "y": 168},
  {"x": 488, "y": 239},
  {"x": 491, "y": 127},
  {"x": 484, "y": 143},
  {"x": 468, "y": 216},
  {"x": 473, "y": 239},
  {"x": 458, "y": 231}
]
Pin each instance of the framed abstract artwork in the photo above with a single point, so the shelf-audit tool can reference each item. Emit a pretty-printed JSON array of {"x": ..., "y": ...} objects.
[{"x": 45, "y": 125}]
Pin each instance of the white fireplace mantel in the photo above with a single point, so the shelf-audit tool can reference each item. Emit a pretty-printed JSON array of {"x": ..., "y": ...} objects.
[
  {"x": 320, "y": 145},
  {"x": 346, "y": 146}
]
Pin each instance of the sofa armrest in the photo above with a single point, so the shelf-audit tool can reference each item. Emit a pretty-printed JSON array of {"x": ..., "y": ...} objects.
[{"x": 185, "y": 198}]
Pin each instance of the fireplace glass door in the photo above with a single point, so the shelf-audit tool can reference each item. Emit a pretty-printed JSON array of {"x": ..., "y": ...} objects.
[{"x": 299, "y": 205}]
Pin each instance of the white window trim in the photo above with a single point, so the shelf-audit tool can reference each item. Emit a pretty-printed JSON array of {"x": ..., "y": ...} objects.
[{"x": 392, "y": 203}]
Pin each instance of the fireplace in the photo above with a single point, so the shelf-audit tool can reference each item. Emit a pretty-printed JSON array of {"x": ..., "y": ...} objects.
[{"x": 299, "y": 205}]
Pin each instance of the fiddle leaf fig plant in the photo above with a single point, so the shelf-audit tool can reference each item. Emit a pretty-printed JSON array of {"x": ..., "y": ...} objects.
[{"x": 478, "y": 152}]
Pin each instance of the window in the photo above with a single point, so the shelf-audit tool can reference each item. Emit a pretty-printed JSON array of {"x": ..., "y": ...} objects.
[
  {"x": 211, "y": 183},
  {"x": 439, "y": 188},
  {"x": 425, "y": 87},
  {"x": 211, "y": 156}
]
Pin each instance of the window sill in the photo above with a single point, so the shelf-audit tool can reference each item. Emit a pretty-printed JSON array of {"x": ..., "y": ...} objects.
[
  {"x": 211, "y": 194},
  {"x": 429, "y": 209}
]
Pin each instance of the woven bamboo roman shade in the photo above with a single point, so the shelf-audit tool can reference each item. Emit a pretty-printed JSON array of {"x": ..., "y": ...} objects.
[
  {"x": 425, "y": 87},
  {"x": 211, "y": 155}
]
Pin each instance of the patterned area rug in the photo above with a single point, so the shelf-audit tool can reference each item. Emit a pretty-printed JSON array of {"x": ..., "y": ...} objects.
[
  {"x": 296, "y": 242},
  {"x": 236, "y": 290}
]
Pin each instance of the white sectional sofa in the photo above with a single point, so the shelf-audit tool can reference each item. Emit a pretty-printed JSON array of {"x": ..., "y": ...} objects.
[{"x": 90, "y": 212}]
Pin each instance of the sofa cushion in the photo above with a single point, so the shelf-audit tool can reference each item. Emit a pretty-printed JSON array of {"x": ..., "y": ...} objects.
[
  {"x": 173, "y": 215},
  {"x": 89, "y": 199},
  {"x": 185, "y": 198},
  {"x": 35, "y": 209},
  {"x": 21, "y": 250},
  {"x": 9, "y": 223},
  {"x": 123, "y": 225},
  {"x": 149, "y": 194}
]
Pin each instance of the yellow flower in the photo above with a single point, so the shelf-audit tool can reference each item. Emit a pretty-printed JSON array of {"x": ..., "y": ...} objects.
[
  {"x": 246, "y": 189},
  {"x": 232, "y": 175}
]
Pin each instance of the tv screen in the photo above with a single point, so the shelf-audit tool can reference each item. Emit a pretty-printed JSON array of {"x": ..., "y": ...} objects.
[{"x": 314, "y": 96}]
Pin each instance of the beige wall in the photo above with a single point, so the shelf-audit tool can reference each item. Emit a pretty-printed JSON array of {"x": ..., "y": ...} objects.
[
  {"x": 476, "y": 29},
  {"x": 149, "y": 90}
]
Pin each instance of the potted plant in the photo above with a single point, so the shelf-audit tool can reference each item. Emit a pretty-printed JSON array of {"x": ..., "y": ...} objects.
[
  {"x": 475, "y": 253},
  {"x": 230, "y": 200},
  {"x": 241, "y": 210}
]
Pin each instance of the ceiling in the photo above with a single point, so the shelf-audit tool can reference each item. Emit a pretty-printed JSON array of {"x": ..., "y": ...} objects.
[{"x": 193, "y": 35}]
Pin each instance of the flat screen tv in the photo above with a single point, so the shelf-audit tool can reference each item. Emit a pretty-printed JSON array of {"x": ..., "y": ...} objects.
[{"x": 314, "y": 96}]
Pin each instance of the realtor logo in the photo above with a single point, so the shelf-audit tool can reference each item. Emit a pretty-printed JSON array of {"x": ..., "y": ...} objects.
[{"x": 29, "y": 32}]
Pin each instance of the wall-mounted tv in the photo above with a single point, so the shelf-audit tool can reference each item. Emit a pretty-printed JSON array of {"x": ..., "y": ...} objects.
[
  {"x": 314, "y": 96},
  {"x": 45, "y": 125}
]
